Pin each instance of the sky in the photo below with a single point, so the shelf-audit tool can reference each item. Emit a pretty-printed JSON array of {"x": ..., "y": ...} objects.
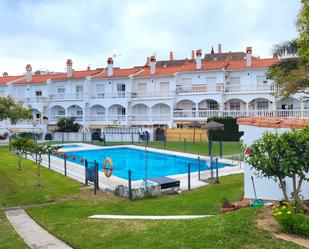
[{"x": 46, "y": 33}]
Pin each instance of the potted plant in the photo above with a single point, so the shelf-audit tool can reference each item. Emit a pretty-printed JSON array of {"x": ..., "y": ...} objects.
[{"x": 226, "y": 206}]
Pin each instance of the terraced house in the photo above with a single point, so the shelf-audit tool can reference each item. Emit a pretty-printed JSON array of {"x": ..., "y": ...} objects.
[{"x": 170, "y": 92}]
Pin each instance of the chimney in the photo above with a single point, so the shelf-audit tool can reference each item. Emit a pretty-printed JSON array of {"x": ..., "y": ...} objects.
[
  {"x": 69, "y": 68},
  {"x": 198, "y": 60},
  {"x": 153, "y": 64},
  {"x": 275, "y": 55},
  {"x": 219, "y": 48},
  {"x": 28, "y": 73},
  {"x": 171, "y": 56},
  {"x": 37, "y": 73},
  {"x": 110, "y": 64},
  {"x": 5, "y": 74},
  {"x": 147, "y": 64},
  {"x": 88, "y": 68},
  {"x": 187, "y": 61},
  {"x": 249, "y": 56},
  {"x": 192, "y": 55}
]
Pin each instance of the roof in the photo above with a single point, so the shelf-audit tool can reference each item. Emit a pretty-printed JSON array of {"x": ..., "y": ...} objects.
[
  {"x": 206, "y": 65},
  {"x": 7, "y": 79},
  {"x": 118, "y": 72},
  {"x": 274, "y": 122},
  {"x": 223, "y": 56},
  {"x": 60, "y": 76},
  {"x": 256, "y": 63},
  {"x": 160, "y": 71}
]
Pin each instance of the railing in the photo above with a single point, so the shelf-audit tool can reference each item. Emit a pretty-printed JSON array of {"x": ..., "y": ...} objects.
[
  {"x": 219, "y": 87},
  {"x": 105, "y": 95},
  {"x": 196, "y": 113},
  {"x": 56, "y": 117},
  {"x": 139, "y": 117},
  {"x": 96, "y": 118},
  {"x": 7, "y": 122},
  {"x": 68, "y": 96},
  {"x": 152, "y": 94},
  {"x": 116, "y": 117},
  {"x": 250, "y": 88},
  {"x": 161, "y": 117}
]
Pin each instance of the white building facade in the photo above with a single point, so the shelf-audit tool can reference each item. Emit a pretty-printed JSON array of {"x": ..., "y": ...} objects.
[{"x": 153, "y": 95}]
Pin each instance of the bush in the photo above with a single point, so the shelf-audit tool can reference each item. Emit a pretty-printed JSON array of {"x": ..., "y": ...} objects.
[
  {"x": 291, "y": 220},
  {"x": 230, "y": 132}
]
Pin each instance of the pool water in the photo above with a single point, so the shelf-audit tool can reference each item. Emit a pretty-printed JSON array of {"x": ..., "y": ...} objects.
[
  {"x": 69, "y": 146},
  {"x": 158, "y": 164}
]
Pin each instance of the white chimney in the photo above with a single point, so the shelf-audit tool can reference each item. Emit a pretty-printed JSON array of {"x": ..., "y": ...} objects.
[
  {"x": 171, "y": 56},
  {"x": 249, "y": 56},
  {"x": 152, "y": 64},
  {"x": 28, "y": 73},
  {"x": 110, "y": 65},
  {"x": 69, "y": 68},
  {"x": 198, "y": 60}
]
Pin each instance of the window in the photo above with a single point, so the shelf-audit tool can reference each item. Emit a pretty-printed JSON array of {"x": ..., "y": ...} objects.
[
  {"x": 121, "y": 87},
  {"x": 79, "y": 113},
  {"x": 38, "y": 115},
  {"x": 61, "y": 90},
  {"x": 262, "y": 105},
  {"x": 121, "y": 111},
  {"x": 212, "y": 105},
  {"x": 261, "y": 79},
  {"x": 79, "y": 89},
  {"x": 164, "y": 86},
  {"x": 234, "y": 105},
  {"x": 141, "y": 87},
  {"x": 234, "y": 80},
  {"x": 61, "y": 112},
  {"x": 38, "y": 93}
]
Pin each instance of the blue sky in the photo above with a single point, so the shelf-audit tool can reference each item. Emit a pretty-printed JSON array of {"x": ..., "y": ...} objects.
[{"x": 46, "y": 33}]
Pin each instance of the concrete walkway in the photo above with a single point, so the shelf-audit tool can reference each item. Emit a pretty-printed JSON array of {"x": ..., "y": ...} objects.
[
  {"x": 147, "y": 217},
  {"x": 32, "y": 233}
]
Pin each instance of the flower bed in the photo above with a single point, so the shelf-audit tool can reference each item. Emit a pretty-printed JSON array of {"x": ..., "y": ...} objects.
[{"x": 291, "y": 220}]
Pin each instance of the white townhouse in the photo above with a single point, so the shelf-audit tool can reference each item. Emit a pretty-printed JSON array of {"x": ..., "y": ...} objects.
[{"x": 170, "y": 93}]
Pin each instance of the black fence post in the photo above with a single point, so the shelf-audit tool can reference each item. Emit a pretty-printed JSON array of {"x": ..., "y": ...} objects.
[
  {"x": 49, "y": 160},
  {"x": 199, "y": 168},
  {"x": 86, "y": 168},
  {"x": 62, "y": 137},
  {"x": 129, "y": 185},
  {"x": 185, "y": 144},
  {"x": 217, "y": 171},
  {"x": 211, "y": 168},
  {"x": 10, "y": 145},
  {"x": 220, "y": 148},
  {"x": 189, "y": 177},
  {"x": 97, "y": 169},
  {"x": 95, "y": 178},
  {"x": 65, "y": 164},
  {"x": 209, "y": 147}
]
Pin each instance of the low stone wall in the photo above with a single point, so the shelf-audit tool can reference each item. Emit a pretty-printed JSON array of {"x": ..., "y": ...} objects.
[{"x": 138, "y": 193}]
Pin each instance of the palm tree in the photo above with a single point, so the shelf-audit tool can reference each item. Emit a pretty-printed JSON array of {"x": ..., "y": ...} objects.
[{"x": 286, "y": 49}]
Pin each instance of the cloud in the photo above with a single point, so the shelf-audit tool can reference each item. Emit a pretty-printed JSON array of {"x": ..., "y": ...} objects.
[{"x": 45, "y": 33}]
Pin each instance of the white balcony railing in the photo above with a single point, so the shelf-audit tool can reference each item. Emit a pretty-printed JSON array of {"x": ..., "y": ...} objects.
[
  {"x": 152, "y": 94},
  {"x": 250, "y": 88},
  {"x": 56, "y": 117},
  {"x": 219, "y": 87},
  {"x": 105, "y": 95},
  {"x": 161, "y": 117},
  {"x": 96, "y": 118},
  {"x": 68, "y": 96},
  {"x": 116, "y": 117}
]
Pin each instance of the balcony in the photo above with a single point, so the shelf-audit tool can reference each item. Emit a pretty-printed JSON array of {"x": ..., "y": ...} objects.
[
  {"x": 68, "y": 96},
  {"x": 219, "y": 87},
  {"x": 195, "y": 114},
  {"x": 106, "y": 95},
  {"x": 250, "y": 88},
  {"x": 153, "y": 94}
]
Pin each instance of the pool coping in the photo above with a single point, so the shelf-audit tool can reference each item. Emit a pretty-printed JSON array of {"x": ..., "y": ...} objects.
[{"x": 76, "y": 171}]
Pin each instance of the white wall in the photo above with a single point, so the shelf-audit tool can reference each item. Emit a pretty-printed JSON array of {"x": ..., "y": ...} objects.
[{"x": 266, "y": 188}]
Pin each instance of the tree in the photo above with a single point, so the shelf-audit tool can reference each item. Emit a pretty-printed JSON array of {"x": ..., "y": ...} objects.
[
  {"x": 291, "y": 73},
  {"x": 278, "y": 156},
  {"x": 10, "y": 109},
  {"x": 22, "y": 146},
  {"x": 37, "y": 152},
  {"x": 303, "y": 30},
  {"x": 68, "y": 125}
]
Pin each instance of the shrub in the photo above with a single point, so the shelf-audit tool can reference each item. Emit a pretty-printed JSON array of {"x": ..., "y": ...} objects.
[{"x": 291, "y": 220}]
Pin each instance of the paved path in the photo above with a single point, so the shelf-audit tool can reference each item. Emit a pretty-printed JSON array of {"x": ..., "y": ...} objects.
[
  {"x": 32, "y": 233},
  {"x": 147, "y": 217}
]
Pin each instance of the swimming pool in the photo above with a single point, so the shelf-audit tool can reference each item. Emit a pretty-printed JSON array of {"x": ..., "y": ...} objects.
[
  {"x": 124, "y": 159},
  {"x": 68, "y": 146}
]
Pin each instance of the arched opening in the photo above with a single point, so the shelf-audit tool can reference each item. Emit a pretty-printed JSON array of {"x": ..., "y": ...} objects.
[
  {"x": 185, "y": 108},
  {"x": 75, "y": 111},
  {"x": 161, "y": 112},
  {"x": 140, "y": 112},
  {"x": 56, "y": 112},
  {"x": 288, "y": 104},
  {"x": 208, "y": 108},
  {"x": 116, "y": 113},
  {"x": 97, "y": 113},
  {"x": 235, "y": 108}
]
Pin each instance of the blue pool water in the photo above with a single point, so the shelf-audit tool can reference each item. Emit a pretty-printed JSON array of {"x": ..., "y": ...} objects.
[
  {"x": 124, "y": 159},
  {"x": 69, "y": 146}
]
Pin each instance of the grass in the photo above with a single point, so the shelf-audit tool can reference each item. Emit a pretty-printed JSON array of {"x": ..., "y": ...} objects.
[
  {"x": 68, "y": 221},
  {"x": 195, "y": 148},
  {"x": 19, "y": 187},
  {"x": 67, "y": 218}
]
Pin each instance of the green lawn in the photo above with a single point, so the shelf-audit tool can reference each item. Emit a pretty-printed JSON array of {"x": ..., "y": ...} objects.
[
  {"x": 67, "y": 218},
  {"x": 195, "y": 148}
]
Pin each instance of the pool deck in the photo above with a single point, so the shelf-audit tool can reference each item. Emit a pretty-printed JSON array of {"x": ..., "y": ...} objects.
[{"x": 77, "y": 172}]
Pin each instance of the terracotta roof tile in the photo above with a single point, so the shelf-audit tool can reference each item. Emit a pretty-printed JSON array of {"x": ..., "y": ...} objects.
[
  {"x": 8, "y": 79},
  {"x": 256, "y": 63},
  {"x": 273, "y": 122}
]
